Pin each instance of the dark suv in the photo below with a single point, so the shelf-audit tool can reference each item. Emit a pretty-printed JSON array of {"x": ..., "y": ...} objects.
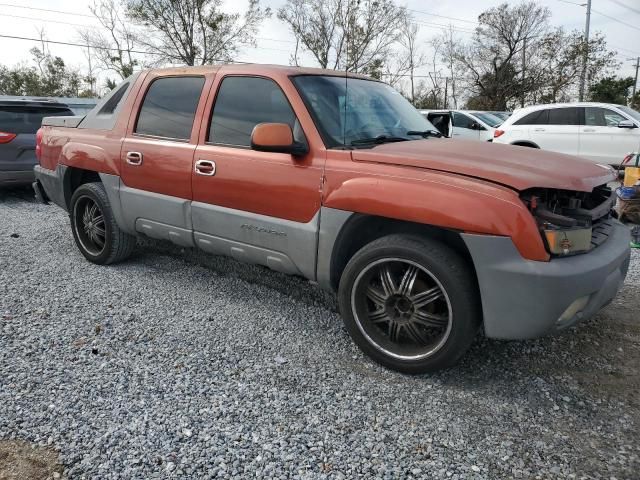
[{"x": 19, "y": 122}]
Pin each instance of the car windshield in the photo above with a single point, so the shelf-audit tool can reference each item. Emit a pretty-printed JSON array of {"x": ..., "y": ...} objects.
[
  {"x": 353, "y": 111},
  {"x": 488, "y": 118},
  {"x": 630, "y": 111}
]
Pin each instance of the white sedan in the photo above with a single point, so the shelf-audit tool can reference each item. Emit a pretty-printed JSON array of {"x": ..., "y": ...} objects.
[{"x": 600, "y": 132}]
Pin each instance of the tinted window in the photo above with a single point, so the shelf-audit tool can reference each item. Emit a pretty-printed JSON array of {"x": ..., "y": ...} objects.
[
  {"x": 534, "y": 118},
  {"x": 601, "y": 117},
  {"x": 244, "y": 102},
  {"x": 23, "y": 119},
  {"x": 169, "y": 107},
  {"x": 563, "y": 116},
  {"x": 110, "y": 106},
  {"x": 462, "y": 121}
]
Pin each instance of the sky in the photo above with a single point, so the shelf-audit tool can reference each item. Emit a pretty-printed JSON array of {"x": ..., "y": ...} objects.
[{"x": 618, "y": 20}]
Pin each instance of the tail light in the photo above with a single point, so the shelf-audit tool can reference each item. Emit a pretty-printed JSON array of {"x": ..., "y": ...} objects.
[
  {"x": 6, "y": 137},
  {"x": 38, "y": 144},
  {"x": 497, "y": 133}
]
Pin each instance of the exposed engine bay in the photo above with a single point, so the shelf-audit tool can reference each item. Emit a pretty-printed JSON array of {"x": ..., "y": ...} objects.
[{"x": 572, "y": 222}]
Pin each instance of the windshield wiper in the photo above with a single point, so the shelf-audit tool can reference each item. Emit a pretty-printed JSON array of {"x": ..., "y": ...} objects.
[
  {"x": 380, "y": 139},
  {"x": 425, "y": 133}
]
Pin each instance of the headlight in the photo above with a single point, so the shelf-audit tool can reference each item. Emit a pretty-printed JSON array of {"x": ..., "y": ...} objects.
[{"x": 568, "y": 241}]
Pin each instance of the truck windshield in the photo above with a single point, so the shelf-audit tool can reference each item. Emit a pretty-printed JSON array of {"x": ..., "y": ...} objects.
[{"x": 356, "y": 112}]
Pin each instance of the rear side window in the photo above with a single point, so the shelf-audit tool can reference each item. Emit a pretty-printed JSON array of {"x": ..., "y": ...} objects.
[
  {"x": 110, "y": 106},
  {"x": 601, "y": 117},
  {"x": 169, "y": 107},
  {"x": 244, "y": 102},
  {"x": 24, "y": 119},
  {"x": 534, "y": 118},
  {"x": 563, "y": 116}
]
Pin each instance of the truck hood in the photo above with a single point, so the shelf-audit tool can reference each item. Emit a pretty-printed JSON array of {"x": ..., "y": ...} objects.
[{"x": 516, "y": 167}]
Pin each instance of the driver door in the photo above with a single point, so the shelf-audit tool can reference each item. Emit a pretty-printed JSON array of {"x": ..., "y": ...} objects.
[{"x": 258, "y": 207}]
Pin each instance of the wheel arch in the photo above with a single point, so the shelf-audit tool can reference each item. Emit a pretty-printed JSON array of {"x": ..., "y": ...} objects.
[
  {"x": 72, "y": 178},
  {"x": 361, "y": 229}
]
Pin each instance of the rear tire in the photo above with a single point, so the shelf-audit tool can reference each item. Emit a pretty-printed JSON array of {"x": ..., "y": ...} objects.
[
  {"x": 95, "y": 231},
  {"x": 410, "y": 303}
]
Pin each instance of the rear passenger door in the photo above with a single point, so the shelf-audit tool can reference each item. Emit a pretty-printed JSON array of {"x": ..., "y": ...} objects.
[
  {"x": 602, "y": 141},
  {"x": 258, "y": 207},
  {"x": 561, "y": 132},
  {"x": 157, "y": 156}
]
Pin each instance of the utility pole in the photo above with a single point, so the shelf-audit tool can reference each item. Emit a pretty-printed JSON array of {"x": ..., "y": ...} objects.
[
  {"x": 583, "y": 75},
  {"x": 633, "y": 94},
  {"x": 524, "y": 67}
]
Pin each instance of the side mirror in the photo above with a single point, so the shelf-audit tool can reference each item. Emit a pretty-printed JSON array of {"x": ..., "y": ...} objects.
[
  {"x": 627, "y": 124},
  {"x": 476, "y": 126},
  {"x": 276, "y": 137}
]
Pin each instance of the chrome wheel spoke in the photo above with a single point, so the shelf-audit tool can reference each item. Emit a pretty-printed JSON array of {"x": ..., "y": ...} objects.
[
  {"x": 376, "y": 296},
  {"x": 416, "y": 335},
  {"x": 408, "y": 279},
  {"x": 379, "y": 316},
  {"x": 430, "y": 319},
  {"x": 428, "y": 296},
  {"x": 387, "y": 280},
  {"x": 393, "y": 330}
]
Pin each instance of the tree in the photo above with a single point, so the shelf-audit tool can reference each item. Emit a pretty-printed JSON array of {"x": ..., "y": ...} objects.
[
  {"x": 611, "y": 90},
  {"x": 493, "y": 60},
  {"x": 560, "y": 63},
  {"x": 406, "y": 59},
  {"x": 353, "y": 35},
  {"x": 51, "y": 78},
  {"x": 113, "y": 50},
  {"x": 195, "y": 32}
]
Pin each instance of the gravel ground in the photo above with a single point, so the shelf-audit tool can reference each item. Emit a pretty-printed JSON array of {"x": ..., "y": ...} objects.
[{"x": 179, "y": 365}]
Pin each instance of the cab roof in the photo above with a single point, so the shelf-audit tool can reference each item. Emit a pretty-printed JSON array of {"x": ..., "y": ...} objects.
[{"x": 256, "y": 69}]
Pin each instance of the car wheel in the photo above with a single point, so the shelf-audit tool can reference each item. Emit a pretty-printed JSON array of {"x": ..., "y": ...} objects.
[
  {"x": 410, "y": 303},
  {"x": 95, "y": 231}
]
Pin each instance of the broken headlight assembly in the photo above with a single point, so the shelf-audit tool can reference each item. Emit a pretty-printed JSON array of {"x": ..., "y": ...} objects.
[{"x": 569, "y": 220}]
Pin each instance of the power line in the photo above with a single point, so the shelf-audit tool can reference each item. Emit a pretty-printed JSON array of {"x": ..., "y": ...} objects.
[
  {"x": 45, "y": 21},
  {"x": 46, "y": 10},
  {"x": 443, "y": 16},
  {"x": 81, "y": 45},
  {"x": 618, "y": 2},
  {"x": 616, "y": 20}
]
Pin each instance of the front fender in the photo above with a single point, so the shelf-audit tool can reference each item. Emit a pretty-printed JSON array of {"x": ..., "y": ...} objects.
[{"x": 443, "y": 200}]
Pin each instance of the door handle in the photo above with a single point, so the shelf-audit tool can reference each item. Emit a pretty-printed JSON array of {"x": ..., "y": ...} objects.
[
  {"x": 134, "y": 158},
  {"x": 206, "y": 167},
  {"x": 539, "y": 130},
  {"x": 589, "y": 130}
]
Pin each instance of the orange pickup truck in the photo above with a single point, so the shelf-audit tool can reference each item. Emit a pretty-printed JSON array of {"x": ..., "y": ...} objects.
[{"x": 338, "y": 179}]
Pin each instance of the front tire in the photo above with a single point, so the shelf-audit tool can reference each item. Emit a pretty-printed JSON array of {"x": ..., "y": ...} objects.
[
  {"x": 410, "y": 303},
  {"x": 95, "y": 231}
]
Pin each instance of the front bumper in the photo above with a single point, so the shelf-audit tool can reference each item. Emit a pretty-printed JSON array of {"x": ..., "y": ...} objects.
[
  {"x": 20, "y": 177},
  {"x": 527, "y": 299}
]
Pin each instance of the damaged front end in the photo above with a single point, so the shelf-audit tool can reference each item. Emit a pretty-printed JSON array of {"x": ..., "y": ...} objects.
[{"x": 572, "y": 222}]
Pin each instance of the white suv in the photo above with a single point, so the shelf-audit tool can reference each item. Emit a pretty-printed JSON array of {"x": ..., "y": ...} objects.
[{"x": 600, "y": 132}]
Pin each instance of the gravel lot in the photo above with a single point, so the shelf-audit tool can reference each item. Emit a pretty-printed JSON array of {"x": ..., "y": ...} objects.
[{"x": 179, "y": 365}]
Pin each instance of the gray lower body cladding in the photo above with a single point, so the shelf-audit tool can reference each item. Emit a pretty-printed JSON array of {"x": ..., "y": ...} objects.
[
  {"x": 520, "y": 298},
  {"x": 526, "y": 299}
]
